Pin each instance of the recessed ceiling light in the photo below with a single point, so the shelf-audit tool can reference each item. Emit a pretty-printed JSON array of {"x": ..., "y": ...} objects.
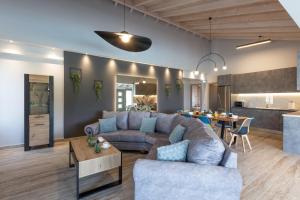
[
  {"x": 11, "y": 41},
  {"x": 216, "y": 69}
]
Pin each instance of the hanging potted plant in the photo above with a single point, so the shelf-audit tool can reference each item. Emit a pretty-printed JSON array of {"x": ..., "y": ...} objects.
[
  {"x": 167, "y": 89},
  {"x": 75, "y": 76},
  {"x": 98, "y": 85},
  {"x": 179, "y": 84}
]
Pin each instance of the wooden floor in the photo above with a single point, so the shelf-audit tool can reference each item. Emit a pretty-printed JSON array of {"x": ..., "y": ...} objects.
[{"x": 268, "y": 173}]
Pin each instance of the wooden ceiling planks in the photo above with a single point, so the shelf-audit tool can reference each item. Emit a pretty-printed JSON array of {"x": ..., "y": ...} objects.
[{"x": 232, "y": 19}]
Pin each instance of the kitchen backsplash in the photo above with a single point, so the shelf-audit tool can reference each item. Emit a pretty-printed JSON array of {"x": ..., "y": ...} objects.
[{"x": 275, "y": 100}]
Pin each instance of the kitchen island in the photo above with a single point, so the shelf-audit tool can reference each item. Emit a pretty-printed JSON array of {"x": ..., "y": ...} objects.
[
  {"x": 265, "y": 118},
  {"x": 291, "y": 132}
]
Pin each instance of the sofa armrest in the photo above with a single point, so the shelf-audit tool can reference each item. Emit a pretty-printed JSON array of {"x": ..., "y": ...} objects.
[
  {"x": 155, "y": 180},
  {"x": 92, "y": 129}
]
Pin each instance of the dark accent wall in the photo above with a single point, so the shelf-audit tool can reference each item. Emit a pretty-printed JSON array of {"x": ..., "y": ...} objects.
[{"x": 82, "y": 108}]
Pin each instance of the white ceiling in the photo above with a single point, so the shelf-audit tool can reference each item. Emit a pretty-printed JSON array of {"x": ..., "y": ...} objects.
[
  {"x": 69, "y": 25},
  {"x": 293, "y": 8}
]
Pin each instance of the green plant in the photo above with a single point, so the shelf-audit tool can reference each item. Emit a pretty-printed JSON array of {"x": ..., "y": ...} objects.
[
  {"x": 167, "y": 89},
  {"x": 75, "y": 77},
  {"x": 98, "y": 89},
  {"x": 179, "y": 84}
]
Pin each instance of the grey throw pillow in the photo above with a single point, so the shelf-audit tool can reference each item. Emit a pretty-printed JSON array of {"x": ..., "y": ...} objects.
[
  {"x": 205, "y": 147},
  {"x": 122, "y": 118}
]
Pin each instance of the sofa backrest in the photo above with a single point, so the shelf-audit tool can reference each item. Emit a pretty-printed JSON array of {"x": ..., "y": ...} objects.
[
  {"x": 135, "y": 119},
  {"x": 164, "y": 122},
  {"x": 122, "y": 118}
]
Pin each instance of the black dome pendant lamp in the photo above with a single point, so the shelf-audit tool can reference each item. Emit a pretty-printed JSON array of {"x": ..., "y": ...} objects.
[{"x": 125, "y": 40}]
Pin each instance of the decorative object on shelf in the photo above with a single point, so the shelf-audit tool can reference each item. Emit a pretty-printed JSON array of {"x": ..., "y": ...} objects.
[
  {"x": 75, "y": 76},
  {"x": 38, "y": 113},
  {"x": 124, "y": 40},
  {"x": 211, "y": 56},
  {"x": 168, "y": 89},
  {"x": 252, "y": 44},
  {"x": 97, "y": 147},
  {"x": 98, "y": 86},
  {"x": 179, "y": 84},
  {"x": 92, "y": 141}
]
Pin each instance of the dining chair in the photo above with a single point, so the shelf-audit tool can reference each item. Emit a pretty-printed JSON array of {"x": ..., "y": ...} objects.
[
  {"x": 205, "y": 119},
  {"x": 242, "y": 132},
  {"x": 228, "y": 128}
]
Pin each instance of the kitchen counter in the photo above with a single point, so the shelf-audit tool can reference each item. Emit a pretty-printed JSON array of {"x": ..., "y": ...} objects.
[
  {"x": 263, "y": 108},
  {"x": 292, "y": 114},
  {"x": 265, "y": 118}
]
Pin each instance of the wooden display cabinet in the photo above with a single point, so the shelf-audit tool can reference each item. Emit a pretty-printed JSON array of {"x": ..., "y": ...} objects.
[{"x": 38, "y": 118}]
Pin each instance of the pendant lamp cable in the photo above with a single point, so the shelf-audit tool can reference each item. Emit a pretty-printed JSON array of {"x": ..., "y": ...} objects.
[
  {"x": 124, "y": 16},
  {"x": 210, "y": 33}
]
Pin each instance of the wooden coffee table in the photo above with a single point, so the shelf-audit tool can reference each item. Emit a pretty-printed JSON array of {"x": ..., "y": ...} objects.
[{"x": 87, "y": 163}]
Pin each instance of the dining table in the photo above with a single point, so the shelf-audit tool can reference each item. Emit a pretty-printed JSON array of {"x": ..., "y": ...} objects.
[{"x": 223, "y": 119}]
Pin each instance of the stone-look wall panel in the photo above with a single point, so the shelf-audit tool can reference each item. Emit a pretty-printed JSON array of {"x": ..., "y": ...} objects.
[{"x": 275, "y": 81}]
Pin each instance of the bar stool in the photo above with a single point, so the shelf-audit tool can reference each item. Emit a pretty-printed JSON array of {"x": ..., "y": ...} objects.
[{"x": 242, "y": 132}]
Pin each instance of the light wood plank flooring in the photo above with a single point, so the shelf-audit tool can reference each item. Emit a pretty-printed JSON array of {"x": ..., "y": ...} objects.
[{"x": 268, "y": 173}]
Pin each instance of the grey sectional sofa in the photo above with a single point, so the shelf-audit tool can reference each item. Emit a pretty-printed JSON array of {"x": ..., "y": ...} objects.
[{"x": 210, "y": 173}]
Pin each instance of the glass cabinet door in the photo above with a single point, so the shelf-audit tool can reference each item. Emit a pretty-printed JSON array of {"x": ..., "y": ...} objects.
[{"x": 39, "y": 98}]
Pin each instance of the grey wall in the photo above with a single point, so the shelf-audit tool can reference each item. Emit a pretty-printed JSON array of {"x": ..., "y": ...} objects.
[{"x": 82, "y": 108}]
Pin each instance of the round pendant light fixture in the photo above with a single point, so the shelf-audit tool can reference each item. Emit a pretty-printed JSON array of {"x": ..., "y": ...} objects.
[
  {"x": 211, "y": 56},
  {"x": 124, "y": 40}
]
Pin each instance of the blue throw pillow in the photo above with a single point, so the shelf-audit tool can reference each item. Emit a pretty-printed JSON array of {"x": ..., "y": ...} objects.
[
  {"x": 148, "y": 125},
  {"x": 108, "y": 125},
  {"x": 177, "y": 134},
  {"x": 173, "y": 152}
]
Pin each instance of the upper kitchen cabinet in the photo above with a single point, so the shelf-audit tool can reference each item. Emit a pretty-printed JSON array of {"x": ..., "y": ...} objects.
[
  {"x": 272, "y": 81},
  {"x": 224, "y": 80}
]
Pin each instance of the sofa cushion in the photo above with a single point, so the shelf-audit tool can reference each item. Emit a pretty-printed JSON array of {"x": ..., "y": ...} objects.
[
  {"x": 135, "y": 119},
  {"x": 154, "y": 138},
  {"x": 108, "y": 125},
  {"x": 122, "y": 118},
  {"x": 173, "y": 152},
  {"x": 205, "y": 147},
  {"x": 164, "y": 122},
  {"x": 124, "y": 136},
  {"x": 148, "y": 125},
  {"x": 177, "y": 134}
]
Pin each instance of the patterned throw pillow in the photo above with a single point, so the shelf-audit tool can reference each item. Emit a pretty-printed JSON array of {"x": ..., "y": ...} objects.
[
  {"x": 148, "y": 125},
  {"x": 108, "y": 125},
  {"x": 177, "y": 134},
  {"x": 173, "y": 152}
]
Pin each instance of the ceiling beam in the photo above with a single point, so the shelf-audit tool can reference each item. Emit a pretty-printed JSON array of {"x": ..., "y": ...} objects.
[
  {"x": 167, "y": 5},
  {"x": 254, "y": 38},
  {"x": 265, "y": 24},
  {"x": 210, "y": 6},
  {"x": 291, "y": 29},
  {"x": 230, "y": 12},
  {"x": 155, "y": 16},
  {"x": 143, "y": 2},
  {"x": 272, "y": 16}
]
